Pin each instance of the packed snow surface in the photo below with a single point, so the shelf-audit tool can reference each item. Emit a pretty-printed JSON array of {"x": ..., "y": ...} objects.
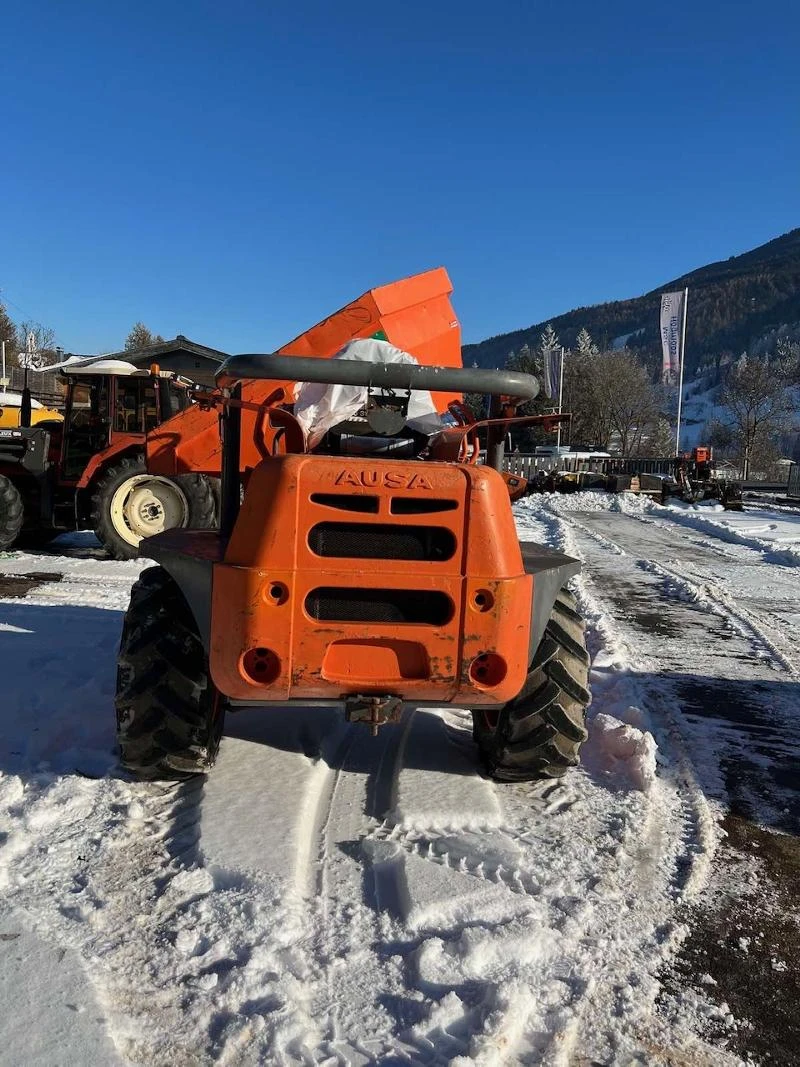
[{"x": 325, "y": 897}]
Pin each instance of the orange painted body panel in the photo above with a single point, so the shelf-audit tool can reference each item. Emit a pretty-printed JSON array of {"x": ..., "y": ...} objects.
[
  {"x": 120, "y": 443},
  {"x": 415, "y": 314},
  {"x": 189, "y": 442},
  {"x": 269, "y": 643}
]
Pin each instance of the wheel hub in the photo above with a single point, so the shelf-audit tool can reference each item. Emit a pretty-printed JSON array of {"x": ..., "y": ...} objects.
[{"x": 144, "y": 505}]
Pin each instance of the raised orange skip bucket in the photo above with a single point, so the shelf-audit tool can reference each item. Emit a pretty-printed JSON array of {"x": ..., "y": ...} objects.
[{"x": 415, "y": 314}]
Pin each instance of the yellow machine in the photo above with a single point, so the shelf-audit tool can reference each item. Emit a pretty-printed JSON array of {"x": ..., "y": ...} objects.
[{"x": 10, "y": 406}]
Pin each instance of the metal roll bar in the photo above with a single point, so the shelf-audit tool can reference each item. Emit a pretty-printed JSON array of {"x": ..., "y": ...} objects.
[{"x": 509, "y": 383}]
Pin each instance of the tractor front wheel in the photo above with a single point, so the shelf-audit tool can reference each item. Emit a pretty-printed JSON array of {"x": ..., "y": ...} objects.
[
  {"x": 11, "y": 512},
  {"x": 540, "y": 732},
  {"x": 129, "y": 504},
  {"x": 169, "y": 714}
]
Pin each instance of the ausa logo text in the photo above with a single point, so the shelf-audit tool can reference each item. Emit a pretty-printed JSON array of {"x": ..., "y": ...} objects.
[{"x": 372, "y": 479}]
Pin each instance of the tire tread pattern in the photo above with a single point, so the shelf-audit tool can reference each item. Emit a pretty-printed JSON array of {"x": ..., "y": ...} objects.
[
  {"x": 169, "y": 715},
  {"x": 540, "y": 732},
  {"x": 12, "y": 512}
]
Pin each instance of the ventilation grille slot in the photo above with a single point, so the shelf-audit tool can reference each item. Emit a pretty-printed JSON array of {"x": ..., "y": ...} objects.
[
  {"x": 366, "y": 540},
  {"x": 414, "y": 505},
  {"x": 347, "y": 502},
  {"x": 333, "y": 604}
]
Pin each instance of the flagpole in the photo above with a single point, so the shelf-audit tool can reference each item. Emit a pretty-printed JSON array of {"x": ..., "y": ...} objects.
[
  {"x": 680, "y": 373},
  {"x": 560, "y": 395}
]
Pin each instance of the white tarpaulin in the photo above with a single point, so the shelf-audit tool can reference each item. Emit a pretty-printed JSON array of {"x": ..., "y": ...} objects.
[
  {"x": 672, "y": 310},
  {"x": 14, "y": 400},
  {"x": 319, "y": 407}
]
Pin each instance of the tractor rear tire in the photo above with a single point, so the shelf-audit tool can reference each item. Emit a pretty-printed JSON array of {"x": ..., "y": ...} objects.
[
  {"x": 12, "y": 513},
  {"x": 540, "y": 732},
  {"x": 169, "y": 714},
  {"x": 128, "y": 504}
]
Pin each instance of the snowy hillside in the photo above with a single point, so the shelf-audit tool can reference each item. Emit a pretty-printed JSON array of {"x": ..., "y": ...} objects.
[
  {"x": 330, "y": 898},
  {"x": 700, "y": 407}
]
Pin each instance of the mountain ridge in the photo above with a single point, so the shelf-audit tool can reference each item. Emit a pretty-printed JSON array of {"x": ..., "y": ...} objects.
[{"x": 732, "y": 302}]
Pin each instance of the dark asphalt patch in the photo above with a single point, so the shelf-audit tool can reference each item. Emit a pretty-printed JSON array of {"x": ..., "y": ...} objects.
[
  {"x": 746, "y": 937},
  {"x": 638, "y": 605},
  {"x": 19, "y": 585},
  {"x": 757, "y": 740},
  {"x": 745, "y": 930}
]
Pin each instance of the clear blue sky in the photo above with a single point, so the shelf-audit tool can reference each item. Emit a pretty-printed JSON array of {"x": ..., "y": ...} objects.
[{"x": 236, "y": 171}]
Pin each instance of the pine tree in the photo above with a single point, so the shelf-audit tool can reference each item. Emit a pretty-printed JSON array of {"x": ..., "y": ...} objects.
[
  {"x": 8, "y": 333},
  {"x": 584, "y": 345},
  {"x": 524, "y": 360},
  {"x": 140, "y": 337},
  {"x": 548, "y": 339}
]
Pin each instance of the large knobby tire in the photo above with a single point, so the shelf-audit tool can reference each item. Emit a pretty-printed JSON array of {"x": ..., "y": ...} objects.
[
  {"x": 540, "y": 732},
  {"x": 128, "y": 504},
  {"x": 12, "y": 513},
  {"x": 169, "y": 714}
]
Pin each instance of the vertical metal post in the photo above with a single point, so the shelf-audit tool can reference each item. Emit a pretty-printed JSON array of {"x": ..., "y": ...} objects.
[
  {"x": 680, "y": 373},
  {"x": 25, "y": 406},
  {"x": 560, "y": 395},
  {"x": 231, "y": 434},
  {"x": 3, "y": 380},
  {"x": 495, "y": 437}
]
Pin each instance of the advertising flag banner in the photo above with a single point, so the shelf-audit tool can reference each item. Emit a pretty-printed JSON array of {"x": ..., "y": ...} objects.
[
  {"x": 549, "y": 373},
  {"x": 671, "y": 319}
]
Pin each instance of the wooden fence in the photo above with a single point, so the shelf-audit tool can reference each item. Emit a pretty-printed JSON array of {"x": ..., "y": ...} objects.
[
  {"x": 45, "y": 386},
  {"x": 526, "y": 464}
]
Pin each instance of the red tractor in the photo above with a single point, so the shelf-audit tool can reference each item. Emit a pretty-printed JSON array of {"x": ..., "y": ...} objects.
[{"x": 89, "y": 470}]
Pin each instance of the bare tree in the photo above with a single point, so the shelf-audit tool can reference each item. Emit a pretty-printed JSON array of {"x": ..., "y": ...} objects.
[
  {"x": 633, "y": 400},
  {"x": 788, "y": 353},
  {"x": 613, "y": 401},
  {"x": 44, "y": 341},
  {"x": 757, "y": 407},
  {"x": 586, "y": 397},
  {"x": 140, "y": 337}
]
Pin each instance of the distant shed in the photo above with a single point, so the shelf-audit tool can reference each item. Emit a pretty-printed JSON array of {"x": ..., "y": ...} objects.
[{"x": 198, "y": 363}]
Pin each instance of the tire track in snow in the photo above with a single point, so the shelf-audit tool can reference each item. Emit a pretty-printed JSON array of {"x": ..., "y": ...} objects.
[
  {"x": 786, "y": 559},
  {"x": 343, "y": 925},
  {"x": 702, "y": 837},
  {"x": 763, "y": 637},
  {"x": 226, "y": 957},
  {"x": 461, "y": 855},
  {"x": 700, "y": 833},
  {"x": 739, "y": 551},
  {"x": 682, "y": 584},
  {"x": 686, "y": 842}
]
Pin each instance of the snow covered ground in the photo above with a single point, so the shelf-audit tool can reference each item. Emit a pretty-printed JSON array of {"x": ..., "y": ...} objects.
[{"x": 330, "y": 898}]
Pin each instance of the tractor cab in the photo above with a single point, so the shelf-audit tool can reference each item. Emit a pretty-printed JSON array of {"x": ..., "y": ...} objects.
[{"x": 110, "y": 403}]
